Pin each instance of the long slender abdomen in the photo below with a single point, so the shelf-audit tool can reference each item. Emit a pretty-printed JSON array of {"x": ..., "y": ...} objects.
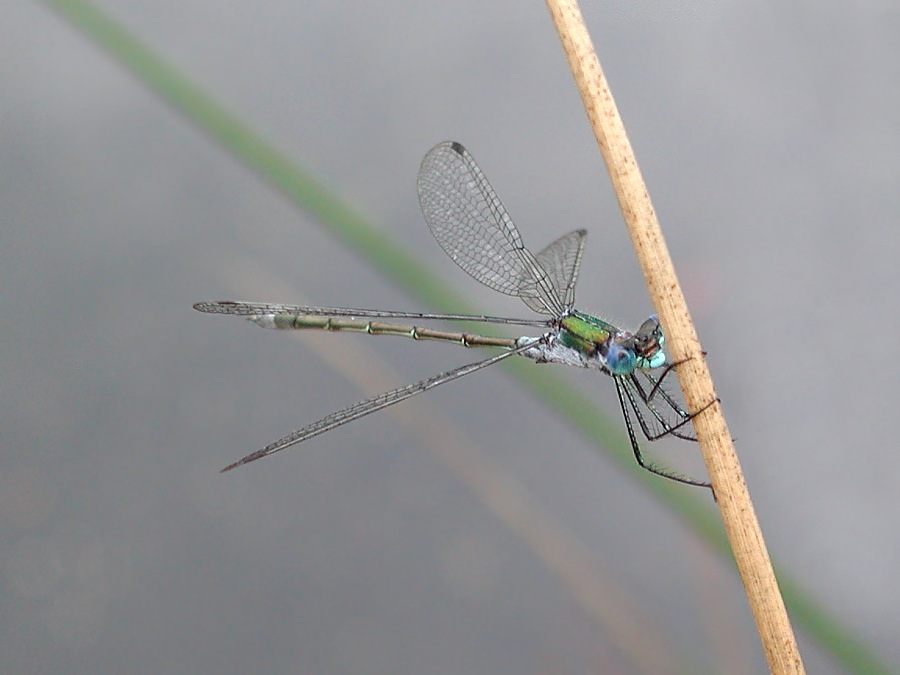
[{"x": 314, "y": 322}]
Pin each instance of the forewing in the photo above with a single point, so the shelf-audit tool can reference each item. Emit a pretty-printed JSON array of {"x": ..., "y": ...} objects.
[
  {"x": 561, "y": 260},
  {"x": 472, "y": 226}
]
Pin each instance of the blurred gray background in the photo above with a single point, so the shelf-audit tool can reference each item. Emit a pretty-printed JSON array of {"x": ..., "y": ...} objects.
[{"x": 768, "y": 137}]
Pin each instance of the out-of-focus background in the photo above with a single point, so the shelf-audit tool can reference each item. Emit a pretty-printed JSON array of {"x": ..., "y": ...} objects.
[{"x": 768, "y": 136}]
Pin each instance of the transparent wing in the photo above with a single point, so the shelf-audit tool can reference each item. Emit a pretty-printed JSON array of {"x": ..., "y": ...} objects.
[
  {"x": 254, "y": 309},
  {"x": 561, "y": 259},
  {"x": 472, "y": 226},
  {"x": 371, "y": 405}
]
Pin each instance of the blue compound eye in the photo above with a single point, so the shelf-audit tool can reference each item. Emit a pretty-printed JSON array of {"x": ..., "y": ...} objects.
[{"x": 620, "y": 360}]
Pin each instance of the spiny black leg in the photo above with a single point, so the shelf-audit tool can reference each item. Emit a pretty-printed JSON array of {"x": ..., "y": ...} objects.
[
  {"x": 657, "y": 383},
  {"x": 658, "y": 389},
  {"x": 624, "y": 395},
  {"x": 632, "y": 383},
  {"x": 690, "y": 416},
  {"x": 669, "y": 368}
]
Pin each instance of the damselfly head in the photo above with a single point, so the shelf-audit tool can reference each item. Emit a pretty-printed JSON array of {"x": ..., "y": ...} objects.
[{"x": 648, "y": 344}]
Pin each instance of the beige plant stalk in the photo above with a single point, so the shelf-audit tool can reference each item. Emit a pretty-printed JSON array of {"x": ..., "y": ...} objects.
[{"x": 732, "y": 496}]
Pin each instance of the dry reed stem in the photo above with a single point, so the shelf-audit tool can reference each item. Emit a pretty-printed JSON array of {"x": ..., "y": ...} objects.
[{"x": 741, "y": 525}]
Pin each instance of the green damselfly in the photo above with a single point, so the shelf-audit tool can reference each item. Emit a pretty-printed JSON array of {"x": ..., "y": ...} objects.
[{"x": 472, "y": 226}]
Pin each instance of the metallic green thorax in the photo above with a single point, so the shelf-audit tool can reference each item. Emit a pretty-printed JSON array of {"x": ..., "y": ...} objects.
[{"x": 584, "y": 332}]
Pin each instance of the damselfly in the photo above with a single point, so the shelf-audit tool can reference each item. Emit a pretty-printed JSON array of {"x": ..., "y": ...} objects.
[{"x": 472, "y": 226}]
